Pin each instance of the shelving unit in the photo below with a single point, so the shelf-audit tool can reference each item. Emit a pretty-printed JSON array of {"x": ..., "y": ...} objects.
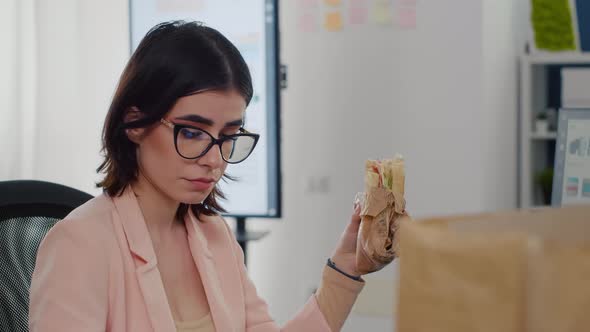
[
  {"x": 537, "y": 151},
  {"x": 544, "y": 136},
  {"x": 565, "y": 58}
]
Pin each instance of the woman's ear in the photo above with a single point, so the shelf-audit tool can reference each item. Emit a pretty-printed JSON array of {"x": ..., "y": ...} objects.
[{"x": 134, "y": 134}]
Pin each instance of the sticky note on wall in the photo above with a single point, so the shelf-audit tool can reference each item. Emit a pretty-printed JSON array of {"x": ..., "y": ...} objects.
[
  {"x": 333, "y": 2},
  {"x": 333, "y": 21},
  {"x": 358, "y": 15},
  {"x": 407, "y": 17},
  {"x": 308, "y": 15},
  {"x": 382, "y": 12},
  {"x": 358, "y": 11},
  {"x": 307, "y": 22}
]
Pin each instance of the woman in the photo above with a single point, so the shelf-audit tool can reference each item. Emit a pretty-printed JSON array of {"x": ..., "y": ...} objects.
[{"x": 152, "y": 253}]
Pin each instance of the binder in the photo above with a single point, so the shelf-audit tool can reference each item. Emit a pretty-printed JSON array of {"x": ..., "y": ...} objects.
[{"x": 583, "y": 14}]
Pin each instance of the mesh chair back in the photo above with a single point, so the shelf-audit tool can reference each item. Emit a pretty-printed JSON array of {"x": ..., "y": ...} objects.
[{"x": 28, "y": 209}]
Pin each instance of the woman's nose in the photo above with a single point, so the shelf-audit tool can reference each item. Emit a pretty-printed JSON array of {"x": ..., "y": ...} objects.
[{"x": 212, "y": 158}]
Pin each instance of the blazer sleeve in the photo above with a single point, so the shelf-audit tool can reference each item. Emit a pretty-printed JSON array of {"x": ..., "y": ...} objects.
[
  {"x": 69, "y": 286},
  {"x": 309, "y": 318}
]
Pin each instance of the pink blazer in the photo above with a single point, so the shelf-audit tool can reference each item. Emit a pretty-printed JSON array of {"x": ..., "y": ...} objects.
[{"x": 97, "y": 271}]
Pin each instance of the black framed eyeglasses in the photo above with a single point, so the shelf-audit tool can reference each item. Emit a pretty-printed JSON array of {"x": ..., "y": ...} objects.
[{"x": 192, "y": 143}]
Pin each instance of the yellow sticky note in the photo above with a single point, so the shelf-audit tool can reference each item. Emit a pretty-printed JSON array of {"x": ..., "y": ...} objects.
[
  {"x": 333, "y": 21},
  {"x": 333, "y": 2},
  {"x": 383, "y": 12}
]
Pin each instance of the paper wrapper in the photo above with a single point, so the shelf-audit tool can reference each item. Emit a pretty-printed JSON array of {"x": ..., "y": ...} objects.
[{"x": 381, "y": 213}]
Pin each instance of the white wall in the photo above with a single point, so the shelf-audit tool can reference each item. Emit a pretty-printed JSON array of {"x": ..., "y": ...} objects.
[
  {"x": 83, "y": 47},
  {"x": 504, "y": 34},
  {"x": 18, "y": 71},
  {"x": 8, "y": 90}
]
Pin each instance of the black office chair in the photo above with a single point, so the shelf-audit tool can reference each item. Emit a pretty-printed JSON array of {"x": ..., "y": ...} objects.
[{"x": 28, "y": 209}]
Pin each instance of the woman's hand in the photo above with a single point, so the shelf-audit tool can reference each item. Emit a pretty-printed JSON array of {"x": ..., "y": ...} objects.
[{"x": 345, "y": 254}]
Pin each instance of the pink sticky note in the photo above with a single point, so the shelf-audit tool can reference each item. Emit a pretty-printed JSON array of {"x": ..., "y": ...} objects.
[
  {"x": 307, "y": 22},
  {"x": 358, "y": 15},
  {"x": 407, "y": 17}
]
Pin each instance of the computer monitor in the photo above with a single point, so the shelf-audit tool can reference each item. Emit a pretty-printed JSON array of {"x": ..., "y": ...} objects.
[{"x": 571, "y": 179}]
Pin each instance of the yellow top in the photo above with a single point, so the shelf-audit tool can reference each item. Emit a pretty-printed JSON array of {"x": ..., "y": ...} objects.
[
  {"x": 204, "y": 324},
  {"x": 335, "y": 295}
]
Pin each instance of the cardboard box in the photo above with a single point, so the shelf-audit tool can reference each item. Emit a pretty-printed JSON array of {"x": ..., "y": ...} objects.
[{"x": 509, "y": 271}]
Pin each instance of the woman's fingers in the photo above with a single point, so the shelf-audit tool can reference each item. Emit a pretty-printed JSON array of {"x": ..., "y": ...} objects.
[{"x": 355, "y": 219}]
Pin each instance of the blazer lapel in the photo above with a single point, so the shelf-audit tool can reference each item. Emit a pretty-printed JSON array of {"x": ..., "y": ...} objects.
[
  {"x": 204, "y": 260},
  {"x": 148, "y": 275}
]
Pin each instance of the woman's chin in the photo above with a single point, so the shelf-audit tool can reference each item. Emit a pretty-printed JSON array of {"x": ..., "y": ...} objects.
[{"x": 194, "y": 198}]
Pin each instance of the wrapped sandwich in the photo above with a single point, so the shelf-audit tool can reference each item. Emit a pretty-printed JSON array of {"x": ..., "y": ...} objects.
[{"x": 381, "y": 210}]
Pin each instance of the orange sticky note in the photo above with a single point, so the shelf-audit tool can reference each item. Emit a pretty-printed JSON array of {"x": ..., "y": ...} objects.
[{"x": 333, "y": 21}]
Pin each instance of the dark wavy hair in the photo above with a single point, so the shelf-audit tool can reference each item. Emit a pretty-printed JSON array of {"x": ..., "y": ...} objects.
[{"x": 175, "y": 59}]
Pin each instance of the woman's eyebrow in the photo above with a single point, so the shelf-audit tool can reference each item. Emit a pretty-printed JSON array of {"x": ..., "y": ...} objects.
[
  {"x": 197, "y": 119},
  {"x": 235, "y": 123},
  {"x": 208, "y": 122}
]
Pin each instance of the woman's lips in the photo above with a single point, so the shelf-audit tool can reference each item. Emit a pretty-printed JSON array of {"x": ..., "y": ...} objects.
[{"x": 201, "y": 183}]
